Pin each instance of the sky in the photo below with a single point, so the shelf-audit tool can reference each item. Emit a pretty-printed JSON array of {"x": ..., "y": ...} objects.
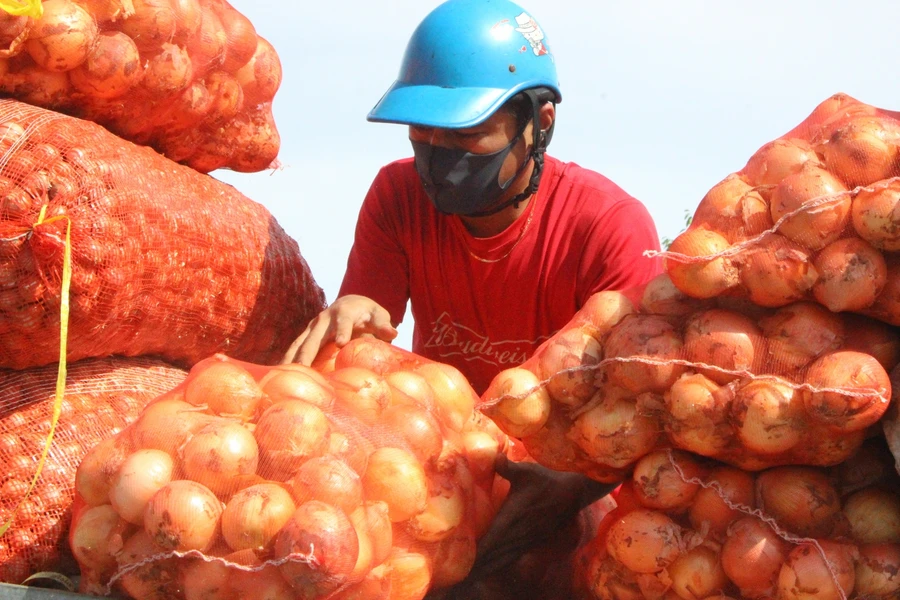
[{"x": 664, "y": 98}]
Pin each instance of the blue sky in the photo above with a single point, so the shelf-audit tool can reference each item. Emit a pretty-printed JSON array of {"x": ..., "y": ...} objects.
[{"x": 665, "y": 98}]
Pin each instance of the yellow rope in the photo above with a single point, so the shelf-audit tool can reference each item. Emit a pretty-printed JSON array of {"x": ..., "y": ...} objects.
[
  {"x": 61, "y": 373},
  {"x": 17, "y": 8}
]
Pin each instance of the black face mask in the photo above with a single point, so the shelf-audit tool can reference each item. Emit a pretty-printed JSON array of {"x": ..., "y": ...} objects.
[{"x": 464, "y": 183}]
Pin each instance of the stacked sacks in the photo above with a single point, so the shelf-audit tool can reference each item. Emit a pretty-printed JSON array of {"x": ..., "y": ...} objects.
[{"x": 191, "y": 78}]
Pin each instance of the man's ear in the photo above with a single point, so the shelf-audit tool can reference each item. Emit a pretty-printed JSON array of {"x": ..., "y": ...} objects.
[{"x": 547, "y": 115}]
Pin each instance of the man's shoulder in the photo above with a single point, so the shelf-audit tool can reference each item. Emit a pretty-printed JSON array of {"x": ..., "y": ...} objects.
[{"x": 592, "y": 186}]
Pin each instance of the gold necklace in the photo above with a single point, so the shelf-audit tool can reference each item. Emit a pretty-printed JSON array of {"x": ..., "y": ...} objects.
[{"x": 516, "y": 243}]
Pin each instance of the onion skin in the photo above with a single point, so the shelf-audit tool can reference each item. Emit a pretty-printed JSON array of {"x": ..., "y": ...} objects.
[
  {"x": 874, "y": 516},
  {"x": 517, "y": 402},
  {"x": 183, "y": 515},
  {"x": 799, "y": 333},
  {"x": 227, "y": 389},
  {"x": 805, "y": 575},
  {"x": 779, "y": 158},
  {"x": 662, "y": 297},
  {"x": 697, "y": 574},
  {"x": 817, "y": 228},
  {"x": 752, "y": 556},
  {"x": 802, "y": 500},
  {"x": 565, "y": 364},
  {"x": 614, "y": 433},
  {"x": 854, "y": 372},
  {"x": 396, "y": 477},
  {"x": 659, "y": 480},
  {"x": 63, "y": 37},
  {"x": 112, "y": 68},
  {"x": 288, "y": 434},
  {"x": 876, "y": 213},
  {"x": 878, "y": 570},
  {"x": 724, "y": 339},
  {"x": 863, "y": 150},
  {"x": 645, "y": 541},
  {"x": 328, "y": 479},
  {"x": 777, "y": 271},
  {"x": 254, "y": 515},
  {"x": 696, "y": 415},
  {"x": 701, "y": 279},
  {"x": 709, "y": 509},
  {"x": 643, "y": 336},
  {"x": 852, "y": 274},
  {"x": 734, "y": 209},
  {"x": 768, "y": 416}
]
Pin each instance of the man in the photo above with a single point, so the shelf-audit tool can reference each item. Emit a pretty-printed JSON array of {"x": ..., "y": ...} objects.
[{"x": 494, "y": 244}]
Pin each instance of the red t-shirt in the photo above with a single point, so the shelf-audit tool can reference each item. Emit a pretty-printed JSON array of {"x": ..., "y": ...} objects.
[{"x": 585, "y": 235}]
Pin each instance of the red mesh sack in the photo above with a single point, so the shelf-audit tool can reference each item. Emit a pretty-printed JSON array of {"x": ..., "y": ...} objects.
[
  {"x": 690, "y": 528},
  {"x": 191, "y": 78},
  {"x": 102, "y": 397},
  {"x": 811, "y": 216},
  {"x": 370, "y": 476},
  {"x": 165, "y": 261},
  {"x": 754, "y": 387}
]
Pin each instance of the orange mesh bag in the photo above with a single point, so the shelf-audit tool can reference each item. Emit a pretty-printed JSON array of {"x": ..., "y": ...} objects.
[
  {"x": 689, "y": 528},
  {"x": 191, "y": 78},
  {"x": 165, "y": 261},
  {"x": 102, "y": 397},
  {"x": 751, "y": 386},
  {"x": 371, "y": 478},
  {"x": 811, "y": 216}
]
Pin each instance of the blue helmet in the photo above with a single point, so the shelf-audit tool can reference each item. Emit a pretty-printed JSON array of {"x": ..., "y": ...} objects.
[{"x": 464, "y": 61}]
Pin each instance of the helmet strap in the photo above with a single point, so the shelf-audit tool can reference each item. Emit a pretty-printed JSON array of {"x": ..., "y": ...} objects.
[{"x": 540, "y": 139}]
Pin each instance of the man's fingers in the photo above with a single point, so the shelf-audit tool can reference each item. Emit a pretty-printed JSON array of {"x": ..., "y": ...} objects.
[
  {"x": 291, "y": 353},
  {"x": 312, "y": 344}
]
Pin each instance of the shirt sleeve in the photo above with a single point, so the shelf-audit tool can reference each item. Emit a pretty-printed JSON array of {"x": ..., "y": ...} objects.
[
  {"x": 614, "y": 257},
  {"x": 378, "y": 265}
]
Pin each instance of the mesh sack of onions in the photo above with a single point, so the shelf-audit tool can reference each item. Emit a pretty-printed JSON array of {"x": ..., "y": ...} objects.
[
  {"x": 191, "y": 78},
  {"x": 165, "y": 261},
  {"x": 368, "y": 475},
  {"x": 102, "y": 397},
  {"x": 690, "y": 528},
  {"x": 811, "y": 216},
  {"x": 755, "y": 387}
]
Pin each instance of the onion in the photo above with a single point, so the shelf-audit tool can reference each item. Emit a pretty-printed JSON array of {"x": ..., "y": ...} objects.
[
  {"x": 419, "y": 429},
  {"x": 665, "y": 480},
  {"x": 111, "y": 69},
  {"x": 361, "y": 392},
  {"x": 768, "y": 416},
  {"x": 63, "y": 37},
  {"x": 225, "y": 388},
  {"x": 97, "y": 534},
  {"x": 453, "y": 559},
  {"x": 152, "y": 24},
  {"x": 375, "y": 585},
  {"x": 733, "y": 209},
  {"x": 261, "y": 76},
  {"x": 297, "y": 382},
  {"x": 141, "y": 475},
  {"x": 330, "y": 480},
  {"x": 220, "y": 455},
  {"x": 724, "y": 339},
  {"x": 187, "y": 18},
  {"x": 157, "y": 578},
  {"x": 565, "y": 363},
  {"x": 395, "y": 476},
  {"x": 752, "y": 556},
  {"x": 815, "y": 225},
  {"x": 802, "y": 500},
  {"x": 715, "y": 507},
  {"x": 205, "y": 580},
  {"x": 643, "y": 336},
  {"x": 444, "y": 512},
  {"x": 645, "y": 541},
  {"x": 96, "y": 470},
  {"x": 825, "y": 447},
  {"x": 481, "y": 450},
  {"x": 208, "y": 46},
  {"x": 266, "y": 583},
  {"x": 241, "y": 38},
  {"x": 608, "y": 580},
  {"x": 862, "y": 151},
  {"x": 288, "y": 434},
  {"x": 874, "y": 516},
  {"x": 701, "y": 279},
  {"x": 14, "y": 30},
  {"x": 352, "y": 448},
  {"x": 375, "y": 355},
  {"x": 777, "y": 271},
  {"x": 697, "y": 411},
  {"x": 227, "y": 100},
  {"x": 661, "y": 297},
  {"x": 254, "y": 515},
  {"x": 373, "y": 531},
  {"x": 170, "y": 71},
  {"x": 874, "y": 214},
  {"x": 410, "y": 389},
  {"x": 872, "y": 337},
  {"x": 517, "y": 402},
  {"x": 852, "y": 274},
  {"x": 602, "y": 311},
  {"x": 851, "y": 372},
  {"x": 614, "y": 433},
  {"x": 806, "y": 575},
  {"x": 778, "y": 159},
  {"x": 697, "y": 574},
  {"x": 410, "y": 574},
  {"x": 877, "y": 571},
  {"x": 323, "y": 547},
  {"x": 454, "y": 398},
  {"x": 799, "y": 333},
  {"x": 551, "y": 446},
  {"x": 183, "y": 515}
]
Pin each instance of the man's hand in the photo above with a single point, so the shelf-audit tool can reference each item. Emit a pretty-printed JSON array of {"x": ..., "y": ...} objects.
[
  {"x": 346, "y": 318},
  {"x": 541, "y": 502}
]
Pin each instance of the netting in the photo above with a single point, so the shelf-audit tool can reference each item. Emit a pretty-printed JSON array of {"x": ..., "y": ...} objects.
[
  {"x": 754, "y": 387},
  {"x": 102, "y": 397},
  {"x": 691, "y": 528},
  {"x": 812, "y": 216},
  {"x": 165, "y": 261},
  {"x": 191, "y": 78},
  {"x": 372, "y": 475}
]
